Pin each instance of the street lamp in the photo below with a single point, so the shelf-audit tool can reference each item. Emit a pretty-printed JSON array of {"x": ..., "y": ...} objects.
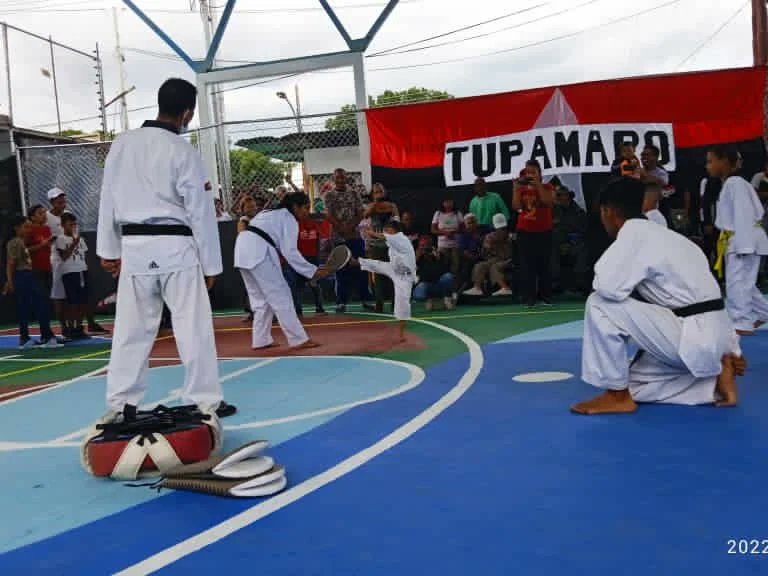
[{"x": 284, "y": 96}]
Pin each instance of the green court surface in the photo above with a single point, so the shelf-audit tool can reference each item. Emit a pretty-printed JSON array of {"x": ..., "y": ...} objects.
[{"x": 485, "y": 323}]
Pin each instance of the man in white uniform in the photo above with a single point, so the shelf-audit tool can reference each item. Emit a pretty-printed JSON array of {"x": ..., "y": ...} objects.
[
  {"x": 157, "y": 230},
  {"x": 740, "y": 219},
  {"x": 268, "y": 235},
  {"x": 654, "y": 290}
]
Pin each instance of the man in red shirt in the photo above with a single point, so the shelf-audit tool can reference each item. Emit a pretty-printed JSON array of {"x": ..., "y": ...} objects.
[
  {"x": 38, "y": 241},
  {"x": 533, "y": 201},
  {"x": 309, "y": 247}
]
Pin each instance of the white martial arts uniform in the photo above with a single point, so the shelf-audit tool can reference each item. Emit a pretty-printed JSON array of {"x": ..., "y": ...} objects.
[
  {"x": 401, "y": 269},
  {"x": 739, "y": 211},
  {"x": 153, "y": 176},
  {"x": 268, "y": 291},
  {"x": 657, "y": 217},
  {"x": 681, "y": 357}
]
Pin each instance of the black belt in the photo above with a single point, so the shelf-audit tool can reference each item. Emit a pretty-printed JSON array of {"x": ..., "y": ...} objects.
[
  {"x": 156, "y": 230},
  {"x": 714, "y": 305},
  {"x": 259, "y": 232}
]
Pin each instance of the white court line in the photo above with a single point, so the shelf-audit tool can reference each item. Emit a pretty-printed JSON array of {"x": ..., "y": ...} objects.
[
  {"x": 417, "y": 377},
  {"x": 173, "y": 395},
  {"x": 251, "y": 515},
  {"x": 24, "y": 390},
  {"x": 85, "y": 376}
]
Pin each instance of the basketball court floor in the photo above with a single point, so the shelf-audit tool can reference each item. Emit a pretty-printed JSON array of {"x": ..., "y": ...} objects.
[{"x": 452, "y": 454}]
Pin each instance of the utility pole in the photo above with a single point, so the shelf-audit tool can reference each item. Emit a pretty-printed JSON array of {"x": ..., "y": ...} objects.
[
  {"x": 100, "y": 84},
  {"x": 210, "y": 23},
  {"x": 55, "y": 84},
  {"x": 121, "y": 68}
]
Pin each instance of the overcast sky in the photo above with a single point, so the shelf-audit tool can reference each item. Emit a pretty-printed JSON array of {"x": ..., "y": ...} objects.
[{"x": 678, "y": 36}]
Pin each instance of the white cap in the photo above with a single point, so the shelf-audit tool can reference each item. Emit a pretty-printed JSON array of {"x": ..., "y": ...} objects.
[
  {"x": 54, "y": 193},
  {"x": 499, "y": 221}
]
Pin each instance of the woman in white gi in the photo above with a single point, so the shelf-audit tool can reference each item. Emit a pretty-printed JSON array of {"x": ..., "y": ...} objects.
[
  {"x": 654, "y": 292},
  {"x": 401, "y": 269},
  {"x": 270, "y": 234},
  {"x": 157, "y": 229},
  {"x": 743, "y": 241}
]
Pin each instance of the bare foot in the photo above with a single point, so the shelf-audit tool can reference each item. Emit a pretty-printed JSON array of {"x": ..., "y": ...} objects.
[
  {"x": 739, "y": 365},
  {"x": 745, "y": 332},
  {"x": 609, "y": 402},
  {"x": 272, "y": 345},
  {"x": 726, "y": 383},
  {"x": 305, "y": 345}
]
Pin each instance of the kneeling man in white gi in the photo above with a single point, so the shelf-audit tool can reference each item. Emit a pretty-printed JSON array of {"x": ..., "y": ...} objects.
[
  {"x": 269, "y": 234},
  {"x": 157, "y": 229},
  {"x": 653, "y": 290}
]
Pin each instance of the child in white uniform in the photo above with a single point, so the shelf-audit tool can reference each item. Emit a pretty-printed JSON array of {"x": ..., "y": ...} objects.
[
  {"x": 743, "y": 241},
  {"x": 401, "y": 269}
]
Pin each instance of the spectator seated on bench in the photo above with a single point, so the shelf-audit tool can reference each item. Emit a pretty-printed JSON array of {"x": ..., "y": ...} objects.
[
  {"x": 434, "y": 277},
  {"x": 495, "y": 257}
]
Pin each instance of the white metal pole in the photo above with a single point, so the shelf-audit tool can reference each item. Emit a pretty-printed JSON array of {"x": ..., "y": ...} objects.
[
  {"x": 121, "y": 69},
  {"x": 210, "y": 22},
  {"x": 206, "y": 134},
  {"x": 7, "y": 59},
  {"x": 361, "y": 102}
]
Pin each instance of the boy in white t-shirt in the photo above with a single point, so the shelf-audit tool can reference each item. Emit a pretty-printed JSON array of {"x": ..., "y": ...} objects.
[{"x": 72, "y": 249}]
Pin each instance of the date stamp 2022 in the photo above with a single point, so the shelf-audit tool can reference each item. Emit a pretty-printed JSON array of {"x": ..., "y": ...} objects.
[{"x": 748, "y": 547}]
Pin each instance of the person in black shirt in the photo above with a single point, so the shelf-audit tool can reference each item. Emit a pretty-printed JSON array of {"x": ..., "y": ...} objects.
[{"x": 434, "y": 277}]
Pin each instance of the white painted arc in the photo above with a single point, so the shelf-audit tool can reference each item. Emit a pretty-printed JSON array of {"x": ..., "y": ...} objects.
[{"x": 251, "y": 515}]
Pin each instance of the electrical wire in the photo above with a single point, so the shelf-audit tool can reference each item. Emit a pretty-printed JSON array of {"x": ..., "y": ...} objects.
[
  {"x": 529, "y": 45},
  {"x": 484, "y": 35},
  {"x": 462, "y": 29},
  {"x": 712, "y": 36}
]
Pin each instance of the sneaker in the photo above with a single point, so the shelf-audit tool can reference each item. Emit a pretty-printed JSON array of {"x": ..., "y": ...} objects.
[
  {"x": 27, "y": 344},
  {"x": 369, "y": 307},
  {"x": 51, "y": 343},
  {"x": 320, "y": 312},
  {"x": 449, "y": 303},
  {"x": 97, "y": 329},
  {"x": 248, "y": 319},
  {"x": 341, "y": 308},
  {"x": 428, "y": 305},
  {"x": 503, "y": 292},
  {"x": 473, "y": 292},
  {"x": 530, "y": 305},
  {"x": 225, "y": 410},
  {"x": 546, "y": 303}
]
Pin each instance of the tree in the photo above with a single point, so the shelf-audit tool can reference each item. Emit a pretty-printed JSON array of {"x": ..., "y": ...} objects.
[
  {"x": 347, "y": 120},
  {"x": 71, "y": 132},
  {"x": 251, "y": 167}
]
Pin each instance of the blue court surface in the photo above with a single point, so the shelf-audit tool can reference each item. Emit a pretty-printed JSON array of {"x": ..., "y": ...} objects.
[{"x": 466, "y": 468}]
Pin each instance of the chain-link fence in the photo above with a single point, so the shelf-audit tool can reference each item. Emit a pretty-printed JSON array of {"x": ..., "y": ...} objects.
[
  {"x": 75, "y": 168},
  {"x": 266, "y": 157}
]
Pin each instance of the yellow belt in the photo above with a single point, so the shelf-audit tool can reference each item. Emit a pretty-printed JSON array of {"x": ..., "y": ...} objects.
[{"x": 722, "y": 246}]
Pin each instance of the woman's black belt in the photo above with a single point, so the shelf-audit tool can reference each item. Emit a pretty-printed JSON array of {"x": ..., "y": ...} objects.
[{"x": 156, "y": 230}]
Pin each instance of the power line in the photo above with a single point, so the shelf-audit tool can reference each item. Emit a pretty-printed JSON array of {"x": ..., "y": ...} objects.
[
  {"x": 712, "y": 36},
  {"x": 463, "y": 28},
  {"x": 530, "y": 45},
  {"x": 98, "y": 116},
  {"x": 486, "y": 34}
]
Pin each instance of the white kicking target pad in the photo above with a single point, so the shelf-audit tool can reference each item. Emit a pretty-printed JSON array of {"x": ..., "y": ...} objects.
[
  {"x": 138, "y": 444},
  {"x": 243, "y": 473}
]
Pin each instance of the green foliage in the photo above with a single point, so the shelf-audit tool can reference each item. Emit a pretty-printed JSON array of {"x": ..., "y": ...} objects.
[
  {"x": 251, "y": 167},
  {"x": 346, "y": 119}
]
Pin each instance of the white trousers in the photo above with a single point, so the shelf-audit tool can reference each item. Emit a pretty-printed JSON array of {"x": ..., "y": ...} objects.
[
  {"x": 746, "y": 304},
  {"x": 270, "y": 295},
  {"x": 139, "y": 307},
  {"x": 658, "y": 375},
  {"x": 403, "y": 285}
]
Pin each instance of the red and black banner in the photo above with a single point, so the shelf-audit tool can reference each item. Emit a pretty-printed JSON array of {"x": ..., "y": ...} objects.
[{"x": 424, "y": 153}]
